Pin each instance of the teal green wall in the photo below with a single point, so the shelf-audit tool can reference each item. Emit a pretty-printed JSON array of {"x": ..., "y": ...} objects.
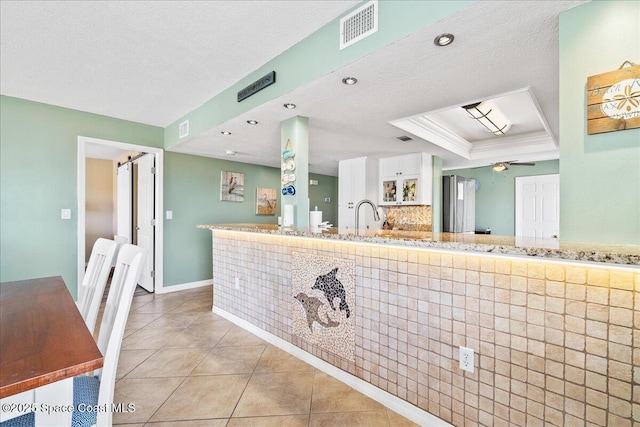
[
  {"x": 495, "y": 200},
  {"x": 327, "y": 187},
  {"x": 312, "y": 58},
  {"x": 192, "y": 192},
  {"x": 38, "y": 169},
  {"x": 38, "y": 177},
  {"x": 599, "y": 174}
]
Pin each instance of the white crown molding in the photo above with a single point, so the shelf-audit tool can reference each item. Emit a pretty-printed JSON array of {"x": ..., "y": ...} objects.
[
  {"x": 431, "y": 131},
  {"x": 539, "y": 142}
]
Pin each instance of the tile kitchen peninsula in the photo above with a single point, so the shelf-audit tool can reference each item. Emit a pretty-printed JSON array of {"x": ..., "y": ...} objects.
[{"x": 554, "y": 326}]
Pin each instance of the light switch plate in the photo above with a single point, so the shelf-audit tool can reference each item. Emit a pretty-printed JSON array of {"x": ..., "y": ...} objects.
[
  {"x": 169, "y": 215},
  {"x": 65, "y": 213}
]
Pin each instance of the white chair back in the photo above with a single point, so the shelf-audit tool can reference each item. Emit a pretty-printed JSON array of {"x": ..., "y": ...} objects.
[
  {"x": 114, "y": 319},
  {"x": 95, "y": 279}
]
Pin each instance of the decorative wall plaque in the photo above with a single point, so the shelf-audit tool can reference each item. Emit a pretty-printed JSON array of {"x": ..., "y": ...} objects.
[
  {"x": 265, "y": 201},
  {"x": 613, "y": 100},
  {"x": 255, "y": 87},
  {"x": 231, "y": 186}
]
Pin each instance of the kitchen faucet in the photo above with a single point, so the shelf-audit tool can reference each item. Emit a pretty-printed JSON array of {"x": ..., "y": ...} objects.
[{"x": 376, "y": 215}]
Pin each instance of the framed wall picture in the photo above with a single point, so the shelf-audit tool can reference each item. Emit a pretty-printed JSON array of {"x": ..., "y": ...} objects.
[
  {"x": 265, "y": 201},
  {"x": 231, "y": 186}
]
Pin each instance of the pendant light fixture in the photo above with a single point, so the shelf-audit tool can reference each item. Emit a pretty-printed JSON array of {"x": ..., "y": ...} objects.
[{"x": 489, "y": 116}]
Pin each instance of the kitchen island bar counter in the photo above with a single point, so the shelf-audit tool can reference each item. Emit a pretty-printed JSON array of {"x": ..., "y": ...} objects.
[
  {"x": 482, "y": 243},
  {"x": 387, "y": 312}
]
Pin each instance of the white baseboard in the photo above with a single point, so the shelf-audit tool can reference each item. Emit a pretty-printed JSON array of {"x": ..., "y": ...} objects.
[
  {"x": 184, "y": 286},
  {"x": 392, "y": 402}
]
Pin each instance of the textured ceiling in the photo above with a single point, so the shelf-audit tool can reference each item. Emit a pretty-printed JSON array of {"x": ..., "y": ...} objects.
[
  {"x": 153, "y": 62},
  {"x": 499, "y": 47},
  {"x": 145, "y": 61}
]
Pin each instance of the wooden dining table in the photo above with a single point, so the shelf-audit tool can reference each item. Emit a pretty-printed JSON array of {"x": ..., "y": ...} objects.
[{"x": 44, "y": 343}]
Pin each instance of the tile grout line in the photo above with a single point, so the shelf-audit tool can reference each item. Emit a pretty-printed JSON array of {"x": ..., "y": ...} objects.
[{"x": 248, "y": 381}]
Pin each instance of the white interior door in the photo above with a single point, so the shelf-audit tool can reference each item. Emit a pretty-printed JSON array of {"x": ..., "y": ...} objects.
[
  {"x": 124, "y": 201},
  {"x": 538, "y": 206},
  {"x": 146, "y": 220}
]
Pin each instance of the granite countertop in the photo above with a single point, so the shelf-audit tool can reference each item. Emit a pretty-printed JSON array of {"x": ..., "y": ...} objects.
[{"x": 508, "y": 245}]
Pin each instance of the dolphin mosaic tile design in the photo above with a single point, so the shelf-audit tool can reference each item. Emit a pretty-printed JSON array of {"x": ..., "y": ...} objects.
[{"x": 323, "y": 304}]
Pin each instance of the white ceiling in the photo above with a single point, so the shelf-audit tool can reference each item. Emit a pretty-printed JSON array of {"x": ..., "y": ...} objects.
[
  {"x": 120, "y": 58},
  {"x": 145, "y": 61}
]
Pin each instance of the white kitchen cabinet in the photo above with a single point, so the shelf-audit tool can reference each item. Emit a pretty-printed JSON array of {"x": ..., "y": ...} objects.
[
  {"x": 408, "y": 164},
  {"x": 357, "y": 180},
  {"x": 406, "y": 180}
]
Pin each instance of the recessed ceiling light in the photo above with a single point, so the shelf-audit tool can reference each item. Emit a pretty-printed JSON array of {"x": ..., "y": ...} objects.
[
  {"x": 349, "y": 80},
  {"x": 230, "y": 152},
  {"x": 443, "y": 39},
  {"x": 289, "y": 106},
  {"x": 225, "y": 132},
  {"x": 252, "y": 122}
]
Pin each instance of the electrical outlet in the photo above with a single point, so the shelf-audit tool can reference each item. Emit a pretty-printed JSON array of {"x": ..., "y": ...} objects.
[
  {"x": 466, "y": 359},
  {"x": 237, "y": 282}
]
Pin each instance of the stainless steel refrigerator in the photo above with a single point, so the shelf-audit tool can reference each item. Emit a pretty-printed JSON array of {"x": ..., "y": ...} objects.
[{"x": 458, "y": 204}]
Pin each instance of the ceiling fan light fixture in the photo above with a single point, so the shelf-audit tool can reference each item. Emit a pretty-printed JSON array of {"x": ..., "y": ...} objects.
[
  {"x": 500, "y": 167},
  {"x": 444, "y": 39},
  {"x": 489, "y": 116}
]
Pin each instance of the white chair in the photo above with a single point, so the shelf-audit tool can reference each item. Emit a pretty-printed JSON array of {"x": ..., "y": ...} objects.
[
  {"x": 95, "y": 279},
  {"x": 97, "y": 391}
]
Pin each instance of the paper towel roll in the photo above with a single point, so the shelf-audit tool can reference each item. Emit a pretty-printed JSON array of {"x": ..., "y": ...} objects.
[
  {"x": 315, "y": 219},
  {"x": 287, "y": 220}
]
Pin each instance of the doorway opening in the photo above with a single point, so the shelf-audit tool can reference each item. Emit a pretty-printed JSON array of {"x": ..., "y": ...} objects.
[{"x": 148, "y": 196}]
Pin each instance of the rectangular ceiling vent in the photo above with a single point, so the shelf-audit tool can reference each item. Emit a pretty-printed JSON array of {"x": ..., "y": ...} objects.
[
  {"x": 184, "y": 128},
  {"x": 359, "y": 24},
  {"x": 404, "y": 138}
]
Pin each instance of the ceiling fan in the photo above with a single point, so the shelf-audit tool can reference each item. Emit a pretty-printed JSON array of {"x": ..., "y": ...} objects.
[{"x": 503, "y": 166}]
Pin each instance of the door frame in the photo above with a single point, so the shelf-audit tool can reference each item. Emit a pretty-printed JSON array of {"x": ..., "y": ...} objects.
[{"x": 159, "y": 206}]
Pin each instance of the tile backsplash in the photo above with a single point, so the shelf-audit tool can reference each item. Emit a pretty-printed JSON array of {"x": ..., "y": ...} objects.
[{"x": 410, "y": 218}]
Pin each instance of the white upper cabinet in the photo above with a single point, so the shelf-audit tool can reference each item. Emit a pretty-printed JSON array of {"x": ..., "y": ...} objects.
[
  {"x": 408, "y": 164},
  {"x": 406, "y": 180}
]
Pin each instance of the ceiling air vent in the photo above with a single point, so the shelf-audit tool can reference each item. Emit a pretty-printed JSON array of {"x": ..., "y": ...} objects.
[
  {"x": 184, "y": 128},
  {"x": 404, "y": 138},
  {"x": 359, "y": 24}
]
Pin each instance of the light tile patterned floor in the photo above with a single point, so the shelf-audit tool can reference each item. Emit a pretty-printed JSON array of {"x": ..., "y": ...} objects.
[{"x": 184, "y": 366}]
